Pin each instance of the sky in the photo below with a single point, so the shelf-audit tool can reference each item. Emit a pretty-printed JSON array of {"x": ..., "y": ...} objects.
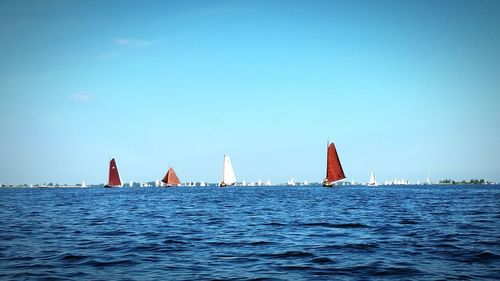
[{"x": 405, "y": 88}]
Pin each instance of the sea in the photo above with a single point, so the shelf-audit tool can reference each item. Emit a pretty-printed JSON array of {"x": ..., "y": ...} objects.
[{"x": 251, "y": 233}]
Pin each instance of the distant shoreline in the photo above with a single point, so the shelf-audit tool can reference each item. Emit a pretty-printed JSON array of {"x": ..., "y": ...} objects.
[{"x": 456, "y": 183}]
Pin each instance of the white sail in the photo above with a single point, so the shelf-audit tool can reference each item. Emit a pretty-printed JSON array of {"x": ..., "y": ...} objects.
[
  {"x": 228, "y": 176},
  {"x": 373, "y": 179}
]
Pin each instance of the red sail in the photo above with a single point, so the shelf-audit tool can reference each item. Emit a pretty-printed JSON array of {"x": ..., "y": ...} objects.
[
  {"x": 334, "y": 170},
  {"x": 171, "y": 178},
  {"x": 114, "y": 177}
]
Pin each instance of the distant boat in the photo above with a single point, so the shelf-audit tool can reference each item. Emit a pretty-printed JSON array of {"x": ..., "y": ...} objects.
[
  {"x": 428, "y": 181},
  {"x": 202, "y": 184},
  {"x": 228, "y": 176},
  {"x": 268, "y": 183},
  {"x": 334, "y": 170},
  {"x": 373, "y": 180},
  {"x": 291, "y": 182},
  {"x": 171, "y": 178},
  {"x": 114, "y": 177}
]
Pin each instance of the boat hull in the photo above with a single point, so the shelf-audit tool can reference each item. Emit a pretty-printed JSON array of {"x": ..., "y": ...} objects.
[
  {"x": 111, "y": 186},
  {"x": 327, "y": 183}
]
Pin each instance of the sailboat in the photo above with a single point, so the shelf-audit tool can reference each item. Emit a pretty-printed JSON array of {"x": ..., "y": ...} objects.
[
  {"x": 171, "y": 178},
  {"x": 228, "y": 177},
  {"x": 373, "y": 180},
  {"x": 114, "y": 178},
  {"x": 334, "y": 170},
  {"x": 428, "y": 181}
]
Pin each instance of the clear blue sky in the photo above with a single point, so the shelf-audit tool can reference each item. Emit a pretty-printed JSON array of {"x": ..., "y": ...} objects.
[{"x": 403, "y": 87}]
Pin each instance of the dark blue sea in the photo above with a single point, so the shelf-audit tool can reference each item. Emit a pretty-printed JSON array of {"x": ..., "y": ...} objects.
[{"x": 251, "y": 233}]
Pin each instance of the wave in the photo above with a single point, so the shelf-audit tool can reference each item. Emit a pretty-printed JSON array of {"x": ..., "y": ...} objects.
[
  {"x": 334, "y": 225},
  {"x": 172, "y": 241},
  {"x": 322, "y": 260},
  {"x": 275, "y": 224},
  {"x": 372, "y": 270},
  {"x": 408, "y": 222},
  {"x": 297, "y": 267},
  {"x": 255, "y": 243},
  {"x": 72, "y": 258},
  {"x": 238, "y": 244},
  {"x": 485, "y": 257},
  {"x": 289, "y": 254},
  {"x": 351, "y": 246},
  {"x": 96, "y": 263}
]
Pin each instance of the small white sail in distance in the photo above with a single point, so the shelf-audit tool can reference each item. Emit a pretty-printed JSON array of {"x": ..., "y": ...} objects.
[
  {"x": 228, "y": 176},
  {"x": 373, "y": 179},
  {"x": 428, "y": 181}
]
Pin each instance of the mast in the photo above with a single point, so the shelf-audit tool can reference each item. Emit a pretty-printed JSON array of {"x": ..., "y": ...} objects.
[
  {"x": 114, "y": 176},
  {"x": 223, "y": 171}
]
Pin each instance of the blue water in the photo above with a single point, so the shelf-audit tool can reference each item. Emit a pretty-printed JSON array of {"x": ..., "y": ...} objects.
[{"x": 276, "y": 233}]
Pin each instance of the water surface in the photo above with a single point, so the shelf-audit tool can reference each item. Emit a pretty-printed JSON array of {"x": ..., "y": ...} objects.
[{"x": 275, "y": 233}]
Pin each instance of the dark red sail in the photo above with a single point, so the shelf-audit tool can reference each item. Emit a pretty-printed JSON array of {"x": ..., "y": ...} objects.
[
  {"x": 334, "y": 170},
  {"x": 171, "y": 178},
  {"x": 114, "y": 177}
]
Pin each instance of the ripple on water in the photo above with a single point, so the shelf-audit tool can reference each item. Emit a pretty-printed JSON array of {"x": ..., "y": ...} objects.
[
  {"x": 71, "y": 258},
  {"x": 485, "y": 257},
  {"x": 322, "y": 260},
  {"x": 408, "y": 222},
  {"x": 288, "y": 254},
  {"x": 99, "y": 263},
  {"x": 350, "y": 246},
  {"x": 297, "y": 267},
  {"x": 334, "y": 225},
  {"x": 371, "y": 270},
  {"x": 174, "y": 241}
]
